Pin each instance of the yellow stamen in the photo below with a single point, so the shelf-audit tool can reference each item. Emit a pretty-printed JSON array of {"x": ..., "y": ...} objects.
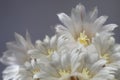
[
  {"x": 50, "y": 52},
  {"x": 86, "y": 73},
  {"x": 63, "y": 72},
  {"x": 34, "y": 71},
  {"x": 106, "y": 57},
  {"x": 83, "y": 39}
]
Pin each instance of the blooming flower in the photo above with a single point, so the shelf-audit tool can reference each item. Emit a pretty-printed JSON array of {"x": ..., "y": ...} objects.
[
  {"x": 108, "y": 50},
  {"x": 22, "y": 72},
  {"x": 71, "y": 66},
  {"x": 82, "y": 27},
  {"x": 46, "y": 47},
  {"x": 17, "y": 50},
  {"x": 28, "y": 71},
  {"x": 84, "y": 49},
  {"x": 10, "y": 72}
]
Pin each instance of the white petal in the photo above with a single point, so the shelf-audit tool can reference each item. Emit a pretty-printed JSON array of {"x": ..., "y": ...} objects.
[
  {"x": 115, "y": 56},
  {"x": 96, "y": 67},
  {"x": 92, "y": 55},
  {"x": 61, "y": 29},
  {"x": 103, "y": 42},
  {"x": 36, "y": 53},
  {"x": 28, "y": 39},
  {"x": 40, "y": 75},
  {"x": 53, "y": 42},
  {"x": 56, "y": 59},
  {"x": 100, "y": 21},
  {"x": 20, "y": 40},
  {"x": 105, "y": 74},
  {"x": 65, "y": 60},
  {"x": 10, "y": 72},
  {"x": 49, "y": 69},
  {"x": 47, "y": 39},
  {"x": 93, "y": 14},
  {"x": 79, "y": 13},
  {"x": 66, "y": 20},
  {"x": 109, "y": 27}
]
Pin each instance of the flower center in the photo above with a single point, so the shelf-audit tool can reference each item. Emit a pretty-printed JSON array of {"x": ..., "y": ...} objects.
[
  {"x": 34, "y": 71},
  {"x": 106, "y": 57},
  {"x": 83, "y": 39},
  {"x": 86, "y": 73},
  {"x": 50, "y": 52},
  {"x": 63, "y": 72}
]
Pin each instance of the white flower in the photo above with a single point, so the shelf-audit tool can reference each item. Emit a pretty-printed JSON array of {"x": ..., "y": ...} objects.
[
  {"x": 10, "y": 72},
  {"x": 27, "y": 71},
  {"x": 17, "y": 50},
  {"x": 63, "y": 65},
  {"x": 46, "y": 47},
  {"x": 108, "y": 50},
  {"x": 115, "y": 59},
  {"x": 72, "y": 66},
  {"x": 83, "y": 49},
  {"x": 82, "y": 27}
]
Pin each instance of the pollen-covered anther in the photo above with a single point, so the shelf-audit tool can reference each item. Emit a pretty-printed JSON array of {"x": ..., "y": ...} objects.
[
  {"x": 35, "y": 71},
  {"x": 83, "y": 39},
  {"x": 50, "y": 51},
  {"x": 63, "y": 72},
  {"x": 106, "y": 57},
  {"x": 86, "y": 73}
]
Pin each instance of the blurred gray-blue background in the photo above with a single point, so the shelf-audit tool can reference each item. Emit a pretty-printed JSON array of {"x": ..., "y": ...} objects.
[{"x": 39, "y": 17}]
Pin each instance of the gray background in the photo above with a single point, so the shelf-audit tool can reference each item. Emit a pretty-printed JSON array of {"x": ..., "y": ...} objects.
[{"x": 39, "y": 17}]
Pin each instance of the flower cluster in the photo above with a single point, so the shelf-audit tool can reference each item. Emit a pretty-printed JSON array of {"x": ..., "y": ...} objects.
[{"x": 83, "y": 48}]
